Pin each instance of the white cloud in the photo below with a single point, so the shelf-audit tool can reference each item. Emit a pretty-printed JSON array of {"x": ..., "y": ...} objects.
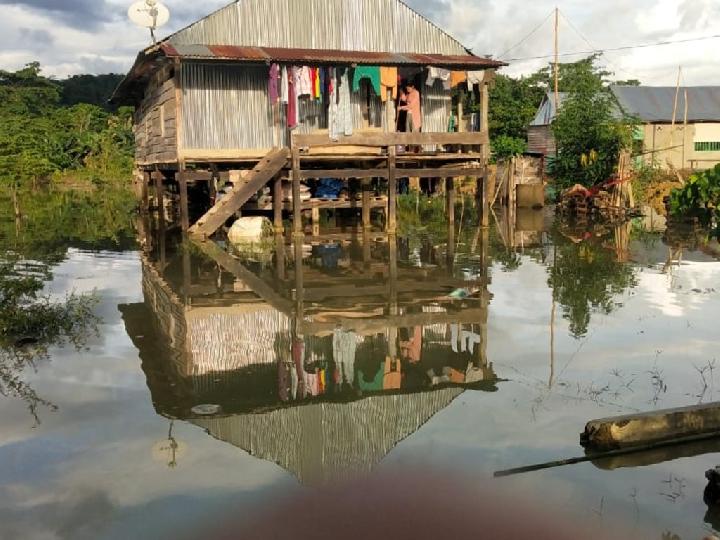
[{"x": 81, "y": 36}]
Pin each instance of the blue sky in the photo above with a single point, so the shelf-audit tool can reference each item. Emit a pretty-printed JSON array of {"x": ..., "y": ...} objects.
[{"x": 79, "y": 36}]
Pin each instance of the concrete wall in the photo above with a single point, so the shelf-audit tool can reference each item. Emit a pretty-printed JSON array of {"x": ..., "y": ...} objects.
[{"x": 666, "y": 146}]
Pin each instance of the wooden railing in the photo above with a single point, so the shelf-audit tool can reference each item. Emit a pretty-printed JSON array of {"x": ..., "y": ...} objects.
[{"x": 392, "y": 139}]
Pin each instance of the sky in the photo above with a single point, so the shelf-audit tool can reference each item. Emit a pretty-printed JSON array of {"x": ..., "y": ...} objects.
[{"x": 95, "y": 36}]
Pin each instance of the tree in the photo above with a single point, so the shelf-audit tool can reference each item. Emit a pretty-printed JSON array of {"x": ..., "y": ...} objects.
[
  {"x": 90, "y": 89},
  {"x": 587, "y": 130}
]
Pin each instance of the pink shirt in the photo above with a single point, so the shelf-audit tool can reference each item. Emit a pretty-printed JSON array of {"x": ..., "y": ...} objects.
[{"x": 412, "y": 105}]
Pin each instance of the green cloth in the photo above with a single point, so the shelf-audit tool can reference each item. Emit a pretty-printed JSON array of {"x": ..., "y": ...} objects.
[
  {"x": 367, "y": 72},
  {"x": 371, "y": 386}
]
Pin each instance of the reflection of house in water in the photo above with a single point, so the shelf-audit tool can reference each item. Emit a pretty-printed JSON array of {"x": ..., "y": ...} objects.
[{"x": 324, "y": 357}]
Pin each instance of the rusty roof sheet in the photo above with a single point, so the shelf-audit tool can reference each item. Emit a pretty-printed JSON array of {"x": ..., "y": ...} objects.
[{"x": 324, "y": 56}]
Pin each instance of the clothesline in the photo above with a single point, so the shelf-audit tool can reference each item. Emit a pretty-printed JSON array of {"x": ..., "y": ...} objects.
[{"x": 332, "y": 85}]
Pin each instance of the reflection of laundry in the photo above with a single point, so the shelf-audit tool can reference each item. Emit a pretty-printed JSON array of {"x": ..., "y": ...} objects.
[
  {"x": 392, "y": 379},
  {"x": 412, "y": 348},
  {"x": 375, "y": 385},
  {"x": 466, "y": 340},
  {"x": 344, "y": 347},
  {"x": 330, "y": 254},
  {"x": 455, "y": 376},
  {"x": 474, "y": 374}
]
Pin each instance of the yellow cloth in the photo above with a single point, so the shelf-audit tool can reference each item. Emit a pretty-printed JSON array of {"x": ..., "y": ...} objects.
[
  {"x": 457, "y": 77},
  {"x": 388, "y": 81}
]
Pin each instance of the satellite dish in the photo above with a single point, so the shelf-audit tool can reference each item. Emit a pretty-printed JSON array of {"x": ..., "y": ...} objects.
[{"x": 149, "y": 14}]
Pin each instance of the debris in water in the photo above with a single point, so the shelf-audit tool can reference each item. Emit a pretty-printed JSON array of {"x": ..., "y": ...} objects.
[{"x": 206, "y": 410}]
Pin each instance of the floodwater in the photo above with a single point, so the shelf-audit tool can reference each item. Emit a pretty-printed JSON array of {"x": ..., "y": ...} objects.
[{"x": 357, "y": 385}]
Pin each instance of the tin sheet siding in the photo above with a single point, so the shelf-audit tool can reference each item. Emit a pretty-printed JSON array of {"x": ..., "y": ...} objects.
[
  {"x": 359, "y": 25},
  {"x": 436, "y": 108},
  {"x": 226, "y": 107}
]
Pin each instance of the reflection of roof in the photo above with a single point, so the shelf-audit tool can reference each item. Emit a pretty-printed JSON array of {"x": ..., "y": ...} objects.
[
  {"x": 546, "y": 112},
  {"x": 330, "y": 441},
  {"x": 656, "y": 103},
  {"x": 323, "y": 56}
]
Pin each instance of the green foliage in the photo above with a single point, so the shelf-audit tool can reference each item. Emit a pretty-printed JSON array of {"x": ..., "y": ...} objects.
[
  {"x": 588, "y": 136},
  {"x": 39, "y": 137},
  {"x": 91, "y": 89},
  {"x": 504, "y": 146},
  {"x": 513, "y": 105},
  {"x": 700, "y": 196}
]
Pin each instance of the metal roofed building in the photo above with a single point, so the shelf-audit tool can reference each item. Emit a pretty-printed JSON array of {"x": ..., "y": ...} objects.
[
  {"x": 692, "y": 143},
  {"x": 201, "y": 93}
]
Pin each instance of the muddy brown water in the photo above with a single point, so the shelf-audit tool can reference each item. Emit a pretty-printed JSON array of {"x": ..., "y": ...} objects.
[{"x": 366, "y": 386}]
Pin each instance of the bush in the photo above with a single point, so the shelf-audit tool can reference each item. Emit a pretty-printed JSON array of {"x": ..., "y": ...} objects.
[{"x": 700, "y": 196}]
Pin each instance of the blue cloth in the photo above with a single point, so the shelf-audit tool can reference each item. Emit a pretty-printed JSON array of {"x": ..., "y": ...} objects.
[{"x": 329, "y": 188}]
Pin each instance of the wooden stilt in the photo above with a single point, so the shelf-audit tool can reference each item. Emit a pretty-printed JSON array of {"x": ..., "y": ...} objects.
[
  {"x": 184, "y": 203},
  {"x": 297, "y": 202},
  {"x": 367, "y": 253},
  {"x": 315, "y": 215},
  {"x": 392, "y": 191},
  {"x": 450, "y": 197},
  {"x": 144, "y": 192},
  {"x": 366, "y": 204},
  {"x": 158, "y": 178},
  {"x": 280, "y": 256},
  {"x": 485, "y": 200},
  {"x": 278, "y": 205}
]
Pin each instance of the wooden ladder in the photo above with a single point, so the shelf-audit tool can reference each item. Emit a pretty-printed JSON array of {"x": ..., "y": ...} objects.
[{"x": 263, "y": 172}]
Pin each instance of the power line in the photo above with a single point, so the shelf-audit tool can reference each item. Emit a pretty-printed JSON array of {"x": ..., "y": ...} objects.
[
  {"x": 531, "y": 34},
  {"x": 615, "y": 49}
]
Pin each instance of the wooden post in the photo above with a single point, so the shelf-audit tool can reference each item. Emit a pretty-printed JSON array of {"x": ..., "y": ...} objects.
[
  {"x": 297, "y": 202},
  {"x": 184, "y": 203},
  {"x": 485, "y": 200},
  {"x": 278, "y": 205},
  {"x": 366, "y": 204},
  {"x": 187, "y": 274},
  {"x": 280, "y": 256},
  {"x": 299, "y": 285},
  {"x": 392, "y": 191},
  {"x": 450, "y": 198},
  {"x": 367, "y": 253},
  {"x": 315, "y": 213},
  {"x": 144, "y": 192},
  {"x": 484, "y": 128},
  {"x": 158, "y": 177}
]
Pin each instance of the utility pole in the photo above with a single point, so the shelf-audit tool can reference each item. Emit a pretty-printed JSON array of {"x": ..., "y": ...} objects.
[{"x": 557, "y": 60}]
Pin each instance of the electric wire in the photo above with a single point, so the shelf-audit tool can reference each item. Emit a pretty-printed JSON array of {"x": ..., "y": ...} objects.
[{"x": 532, "y": 33}]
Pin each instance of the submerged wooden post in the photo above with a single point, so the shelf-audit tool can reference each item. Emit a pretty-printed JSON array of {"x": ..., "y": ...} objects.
[
  {"x": 367, "y": 253},
  {"x": 485, "y": 201},
  {"x": 278, "y": 205},
  {"x": 184, "y": 203},
  {"x": 280, "y": 256},
  {"x": 297, "y": 202},
  {"x": 392, "y": 191}
]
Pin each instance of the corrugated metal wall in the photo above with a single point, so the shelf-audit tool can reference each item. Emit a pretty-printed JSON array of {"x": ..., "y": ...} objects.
[
  {"x": 326, "y": 442},
  {"x": 360, "y": 25},
  {"x": 226, "y": 106}
]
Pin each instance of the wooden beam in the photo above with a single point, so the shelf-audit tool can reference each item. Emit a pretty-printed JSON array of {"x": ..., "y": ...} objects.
[
  {"x": 392, "y": 139},
  {"x": 440, "y": 172},
  {"x": 366, "y": 204},
  {"x": 343, "y": 173},
  {"x": 278, "y": 205},
  {"x": 158, "y": 178}
]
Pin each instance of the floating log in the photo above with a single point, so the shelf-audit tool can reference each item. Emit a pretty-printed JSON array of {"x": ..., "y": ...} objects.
[{"x": 652, "y": 427}]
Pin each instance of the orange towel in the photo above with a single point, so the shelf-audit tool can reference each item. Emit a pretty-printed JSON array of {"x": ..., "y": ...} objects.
[{"x": 388, "y": 81}]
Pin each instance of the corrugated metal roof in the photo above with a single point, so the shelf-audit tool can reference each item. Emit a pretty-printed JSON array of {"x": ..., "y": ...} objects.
[
  {"x": 656, "y": 103},
  {"x": 323, "y": 56},
  {"x": 547, "y": 111}
]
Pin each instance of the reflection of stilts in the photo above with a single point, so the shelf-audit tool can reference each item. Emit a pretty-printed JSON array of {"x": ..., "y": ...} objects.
[
  {"x": 622, "y": 242},
  {"x": 552, "y": 327}
]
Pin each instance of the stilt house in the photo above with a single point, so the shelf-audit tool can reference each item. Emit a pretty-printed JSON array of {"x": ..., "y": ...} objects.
[{"x": 206, "y": 100}]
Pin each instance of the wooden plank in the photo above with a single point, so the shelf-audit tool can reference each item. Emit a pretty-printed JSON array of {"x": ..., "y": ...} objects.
[
  {"x": 228, "y": 205},
  {"x": 235, "y": 267},
  {"x": 277, "y": 205},
  {"x": 366, "y": 204},
  {"x": 440, "y": 172},
  {"x": 343, "y": 173},
  {"x": 196, "y": 176},
  {"x": 391, "y": 139}
]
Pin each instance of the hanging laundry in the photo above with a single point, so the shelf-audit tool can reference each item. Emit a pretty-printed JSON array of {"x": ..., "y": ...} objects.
[
  {"x": 284, "y": 94},
  {"x": 457, "y": 77},
  {"x": 292, "y": 112},
  {"x": 475, "y": 77},
  {"x": 304, "y": 87},
  {"x": 367, "y": 72},
  {"x": 333, "y": 124},
  {"x": 438, "y": 74},
  {"x": 323, "y": 84},
  {"x": 316, "y": 84},
  {"x": 344, "y": 348},
  {"x": 388, "y": 81},
  {"x": 340, "y": 112},
  {"x": 273, "y": 83}
]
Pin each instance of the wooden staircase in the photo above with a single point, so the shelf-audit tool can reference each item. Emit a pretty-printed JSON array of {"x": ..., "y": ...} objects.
[{"x": 263, "y": 172}]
